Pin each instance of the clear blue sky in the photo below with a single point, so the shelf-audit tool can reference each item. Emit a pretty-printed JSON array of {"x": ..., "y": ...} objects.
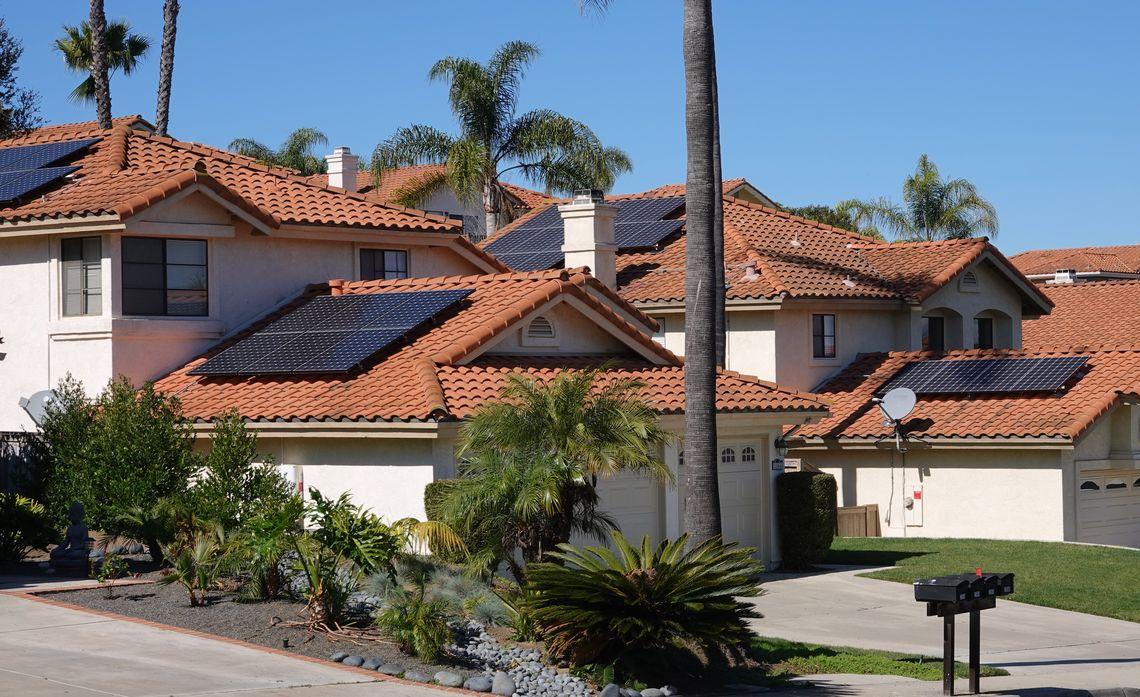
[{"x": 1035, "y": 101}]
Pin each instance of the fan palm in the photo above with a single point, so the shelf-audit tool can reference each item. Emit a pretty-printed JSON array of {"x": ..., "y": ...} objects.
[
  {"x": 295, "y": 153},
  {"x": 124, "y": 52},
  {"x": 553, "y": 151},
  {"x": 932, "y": 209}
]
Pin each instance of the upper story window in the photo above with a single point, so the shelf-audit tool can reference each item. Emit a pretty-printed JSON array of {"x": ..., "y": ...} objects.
[
  {"x": 164, "y": 277},
  {"x": 823, "y": 336},
  {"x": 984, "y": 332},
  {"x": 81, "y": 272},
  {"x": 383, "y": 264},
  {"x": 933, "y": 333}
]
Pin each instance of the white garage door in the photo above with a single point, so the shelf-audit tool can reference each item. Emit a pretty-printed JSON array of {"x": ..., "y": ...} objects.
[
  {"x": 741, "y": 507},
  {"x": 1108, "y": 507},
  {"x": 634, "y": 502}
]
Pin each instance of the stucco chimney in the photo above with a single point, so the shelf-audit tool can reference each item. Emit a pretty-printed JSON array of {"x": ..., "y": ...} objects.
[
  {"x": 588, "y": 234},
  {"x": 343, "y": 168}
]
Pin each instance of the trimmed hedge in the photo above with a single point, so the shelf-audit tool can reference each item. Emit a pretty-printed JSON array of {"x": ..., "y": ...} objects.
[{"x": 806, "y": 503}]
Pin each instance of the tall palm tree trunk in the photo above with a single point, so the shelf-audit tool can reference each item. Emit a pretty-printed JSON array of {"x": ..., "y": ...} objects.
[
  {"x": 100, "y": 64},
  {"x": 702, "y": 495},
  {"x": 166, "y": 65},
  {"x": 490, "y": 208},
  {"x": 720, "y": 318}
]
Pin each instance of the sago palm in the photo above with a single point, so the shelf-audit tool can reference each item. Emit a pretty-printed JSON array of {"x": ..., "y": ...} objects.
[
  {"x": 644, "y": 609},
  {"x": 549, "y": 150},
  {"x": 295, "y": 153},
  {"x": 932, "y": 209},
  {"x": 124, "y": 52}
]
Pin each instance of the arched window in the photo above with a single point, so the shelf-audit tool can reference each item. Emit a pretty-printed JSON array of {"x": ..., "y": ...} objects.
[
  {"x": 1136, "y": 484},
  {"x": 748, "y": 454},
  {"x": 727, "y": 456},
  {"x": 1116, "y": 484},
  {"x": 1090, "y": 486}
]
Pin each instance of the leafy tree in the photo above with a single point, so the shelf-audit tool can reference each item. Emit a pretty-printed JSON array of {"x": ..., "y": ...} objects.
[
  {"x": 166, "y": 65},
  {"x": 233, "y": 486},
  {"x": 295, "y": 153},
  {"x": 531, "y": 462},
  {"x": 932, "y": 209},
  {"x": 555, "y": 152},
  {"x": 78, "y": 45},
  {"x": 643, "y": 610},
  {"x": 826, "y": 215},
  {"x": 19, "y": 108}
]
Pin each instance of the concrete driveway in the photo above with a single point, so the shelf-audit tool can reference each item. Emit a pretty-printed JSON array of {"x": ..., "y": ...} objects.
[
  {"x": 1040, "y": 647},
  {"x": 48, "y": 650}
]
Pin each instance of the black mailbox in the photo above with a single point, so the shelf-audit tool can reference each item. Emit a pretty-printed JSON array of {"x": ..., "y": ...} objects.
[{"x": 943, "y": 589}]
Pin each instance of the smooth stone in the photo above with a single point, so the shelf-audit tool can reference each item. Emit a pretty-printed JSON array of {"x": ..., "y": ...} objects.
[
  {"x": 448, "y": 679},
  {"x": 502, "y": 684},
  {"x": 354, "y": 661},
  {"x": 610, "y": 690},
  {"x": 417, "y": 676},
  {"x": 338, "y": 656},
  {"x": 669, "y": 690},
  {"x": 478, "y": 683},
  {"x": 390, "y": 669},
  {"x": 371, "y": 664},
  {"x": 652, "y": 692},
  {"x": 626, "y": 692}
]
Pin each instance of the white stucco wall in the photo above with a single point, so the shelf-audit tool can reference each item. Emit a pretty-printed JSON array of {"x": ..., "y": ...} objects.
[
  {"x": 574, "y": 335},
  {"x": 994, "y": 293},
  {"x": 858, "y": 330},
  {"x": 1017, "y": 494}
]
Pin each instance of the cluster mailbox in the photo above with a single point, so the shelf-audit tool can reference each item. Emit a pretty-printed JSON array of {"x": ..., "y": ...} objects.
[{"x": 947, "y": 596}]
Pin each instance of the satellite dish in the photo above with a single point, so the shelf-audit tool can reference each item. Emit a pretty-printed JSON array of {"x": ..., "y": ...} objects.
[
  {"x": 897, "y": 404},
  {"x": 36, "y": 405}
]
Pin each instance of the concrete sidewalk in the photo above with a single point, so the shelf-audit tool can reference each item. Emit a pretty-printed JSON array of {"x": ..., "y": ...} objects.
[
  {"x": 48, "y": 651},
  {"x": 1040, "y": 647}
]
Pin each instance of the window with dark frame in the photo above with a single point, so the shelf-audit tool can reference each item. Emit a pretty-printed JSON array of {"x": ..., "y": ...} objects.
[
  {"x": 383, "y": 264},
  {"x": 934, "y": 333},
  {"x": 823, "y": 336},
  {"x": 81, "y": 275},
  {"x": 984, "y": 330},
  {"x": 165, "y": 277}
]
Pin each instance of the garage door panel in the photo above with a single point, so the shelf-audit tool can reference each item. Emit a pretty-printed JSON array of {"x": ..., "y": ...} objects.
[
  {"x": 1108, "y": 507},
  {"x": 634, "y": 502}
]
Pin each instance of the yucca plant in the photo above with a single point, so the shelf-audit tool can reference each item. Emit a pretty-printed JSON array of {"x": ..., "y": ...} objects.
[{"x": 646, "y": 610}]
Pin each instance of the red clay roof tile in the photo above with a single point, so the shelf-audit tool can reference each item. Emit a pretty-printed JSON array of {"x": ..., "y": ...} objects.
[{"x": 1103, "y": 313}]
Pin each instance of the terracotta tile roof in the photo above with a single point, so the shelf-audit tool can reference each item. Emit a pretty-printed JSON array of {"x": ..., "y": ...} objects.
[
  {"x": 407, "y": 382},
  {"x": 128, "y": 168},
  {"x": 1109, "y": 374},
  {"x": 1118, "y": 259},
  {"x": 666, "y": 190},
  {"x": 1102, "y": 313},
  {"x": 397, "y": 179}
]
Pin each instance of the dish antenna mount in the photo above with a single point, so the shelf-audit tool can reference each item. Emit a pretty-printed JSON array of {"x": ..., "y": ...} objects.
[
  {"x": 36, "y": 405},
  {"x": 896, "y": 405}
]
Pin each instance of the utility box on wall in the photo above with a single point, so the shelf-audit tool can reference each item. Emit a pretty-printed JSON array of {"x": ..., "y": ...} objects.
[{"x": 913, "y": 501}]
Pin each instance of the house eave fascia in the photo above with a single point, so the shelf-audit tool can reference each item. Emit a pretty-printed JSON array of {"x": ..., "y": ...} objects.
[
  {"x": 676, "y": 306},
  {"x": 427, "y": 430},
  {"x": 957, "y": 443},
  {"x": 63, "y": 225}
]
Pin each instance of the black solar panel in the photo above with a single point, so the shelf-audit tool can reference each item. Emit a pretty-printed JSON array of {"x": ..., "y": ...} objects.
[
  {"x": 331, "y": 334},
  {"x": 15, "y": 185},
  {"x": 537, "y": 243},
  {"x": 41, "y": 155},
  {"x": 988, "y": 375}
]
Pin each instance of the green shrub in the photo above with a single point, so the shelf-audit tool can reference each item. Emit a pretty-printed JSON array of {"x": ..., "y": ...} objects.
[
  {"x": 196, "y": 565},
  {"x": 806, "y": 502},
  {"x": 24, "y": 525},
  {"x": 644, "y": 610},
  {"x": 262, "y": 547},
  {"x": 417, "y": 623},
  {"x": 112, "y": 568}
]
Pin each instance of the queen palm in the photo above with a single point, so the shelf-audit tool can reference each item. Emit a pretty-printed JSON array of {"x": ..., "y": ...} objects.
[
  {"x": 295, "y": 153},
  {"x": 532, "y": 461},
  {"x": 932, "y": 209},
  {"x": 549, "y": 150},
  {"x": 124, "y": 52}
]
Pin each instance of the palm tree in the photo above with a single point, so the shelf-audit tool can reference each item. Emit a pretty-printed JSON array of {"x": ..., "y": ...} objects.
[
  {"x": 121, "y": 50},
  {"x": 551, "y": 150},
  {"x": 932, "y": 209},
  {"x": 532, "y": 460},
  {"x": 166, "y": 65},
  {"x": 295, "y": 153}
]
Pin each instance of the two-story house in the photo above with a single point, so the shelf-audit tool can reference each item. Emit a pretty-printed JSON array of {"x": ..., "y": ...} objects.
[{"x": 1080, "y": 264}]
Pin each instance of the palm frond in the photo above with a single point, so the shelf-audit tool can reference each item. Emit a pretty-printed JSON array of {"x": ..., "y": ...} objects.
[
  {"x": 469, "y": 169},
  {"x": 253, "y": 149},
  {"x": 873, "y": 215},
  {"x": 418, "y": 189}
]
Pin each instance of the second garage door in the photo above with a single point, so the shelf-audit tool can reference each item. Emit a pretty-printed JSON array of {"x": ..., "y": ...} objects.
[{"x": 1108, "y": 507}]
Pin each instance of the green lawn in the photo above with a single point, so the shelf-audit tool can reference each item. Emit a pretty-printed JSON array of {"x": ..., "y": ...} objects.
[
  {"x": 788, "y": 659},
  {"x": 1097, "y": 580}
]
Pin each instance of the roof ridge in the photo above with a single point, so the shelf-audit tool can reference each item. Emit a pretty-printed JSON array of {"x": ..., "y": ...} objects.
[
  {"x": 1077, "y": 249},
  {"x": 799, "y": 218},
  {"x": 1082, "y": 284}
]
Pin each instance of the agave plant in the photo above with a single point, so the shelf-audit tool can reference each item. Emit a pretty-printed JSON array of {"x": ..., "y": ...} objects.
[{"x": 644, "y": 610}]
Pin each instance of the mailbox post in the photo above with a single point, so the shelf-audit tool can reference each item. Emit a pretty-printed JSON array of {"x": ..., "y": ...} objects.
[{"x": 947, "y": 596}]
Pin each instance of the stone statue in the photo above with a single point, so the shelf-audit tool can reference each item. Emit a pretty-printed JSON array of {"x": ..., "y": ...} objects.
[{"x": 73, "y": 551}]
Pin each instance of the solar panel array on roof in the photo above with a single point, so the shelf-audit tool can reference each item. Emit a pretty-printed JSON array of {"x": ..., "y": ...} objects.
[
  {"x": 537, "y": 243},
  {"x": 988, "y": 375},
  {"x": 331, "y": 334},
  {"x": 24, "y": 169}
]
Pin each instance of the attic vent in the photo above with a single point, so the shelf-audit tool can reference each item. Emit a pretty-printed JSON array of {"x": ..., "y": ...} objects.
[
  {"x": 969, "y": 282},
  {"x": 540, "y": 332}
]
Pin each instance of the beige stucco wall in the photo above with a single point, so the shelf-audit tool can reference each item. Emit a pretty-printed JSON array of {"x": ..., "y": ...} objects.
[
  {"x": 858, "y": 330},
  {"x": 995, "y": 293},
  {"x": 574, "y": 335},
  {"x": 1001, "y": 494}
]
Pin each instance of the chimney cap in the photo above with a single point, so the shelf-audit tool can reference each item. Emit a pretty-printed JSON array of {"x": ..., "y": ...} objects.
[{"x": 589, "y": 195}]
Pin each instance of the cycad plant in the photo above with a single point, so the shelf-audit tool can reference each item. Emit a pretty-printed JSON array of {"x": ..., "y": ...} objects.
[
  {"x": 932, "y": 209},
  {"x": 197, "y": 563},
  {"x": 125, "y": 50},
  {"x": 644, "y": 610},
  {"x": 550, "y": 150},
  {"x": 263, "y": 546},
  {"x": 295, "y": 153}
]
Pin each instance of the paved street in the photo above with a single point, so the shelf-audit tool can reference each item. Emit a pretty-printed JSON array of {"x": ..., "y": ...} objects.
[
  {"x": 47, "y": 651},
  {"x": 1040, "y": 647}
]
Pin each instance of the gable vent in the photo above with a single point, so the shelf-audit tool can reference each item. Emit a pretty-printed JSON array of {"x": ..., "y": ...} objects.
[
  {"x": 969, "y": 282},
  {"x": 540, "y": 328}
]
